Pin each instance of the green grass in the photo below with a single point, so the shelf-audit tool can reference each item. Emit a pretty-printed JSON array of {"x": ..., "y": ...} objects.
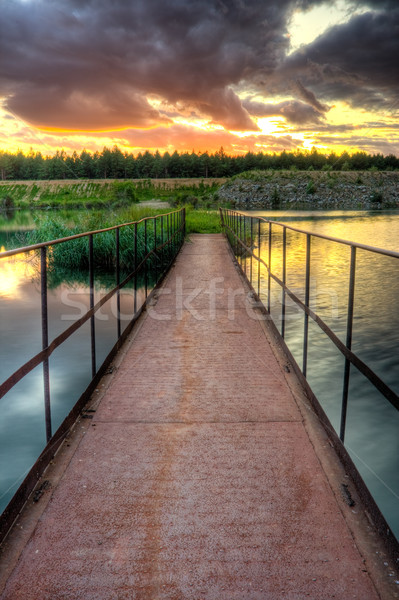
[
  {"x": 197, "y": 220},
  {"x": 106, "y": 194},
  {"x": 202, "y": 221}
]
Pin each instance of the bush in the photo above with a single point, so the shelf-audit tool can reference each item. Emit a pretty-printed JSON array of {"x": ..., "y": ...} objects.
[
  {"x": 174, "y": 201},
  {"x": 123, "y": 192},
  {"x": 6, "y": 202},
  {"x": 310, "y": 188},
  {"x": 376, "y": 197},
  {"x": 193, "y": 201},
  {"x": 275, "y": 198}
]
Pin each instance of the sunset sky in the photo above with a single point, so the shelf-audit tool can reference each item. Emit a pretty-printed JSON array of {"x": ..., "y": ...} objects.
[{"x": 248, "y": 75}]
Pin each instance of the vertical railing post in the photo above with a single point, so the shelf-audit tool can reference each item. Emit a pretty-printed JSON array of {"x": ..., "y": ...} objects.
[
  {"x": 155, "y": 251},
  {"x": 167, "y": 239},
  {"x": 307, "y": 300},
  {"x": 162, "y": 248},
  {"x": 46, "y": 371},
  {"x": 145, "y": 262},
  {"x": 349, "y": 329},
  {"x": 251, "y": 265},
  {"x": 284, "y": 281},
  {"x": 174, "y": 234},
  {"x": 236, "y": 235},
  {"x": 118, "y": 280},
  {"x": 135, "y": 268},
  {"x": 233, "y": 227},
  {"x": 243, "y": 255},
  {"x": 245, "y": 243},
  {"x": 259, "y": 263},
  {"x": 172, "y": 241},
  {"x": 172, "y": 224},
  {"x": 239, "y": 253},
  {"x": 92, "y": 323},
  {"x": 269, "y": 267}
]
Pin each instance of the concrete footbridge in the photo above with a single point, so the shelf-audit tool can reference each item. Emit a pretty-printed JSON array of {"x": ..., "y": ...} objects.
[{"x": 198, "y": 469}]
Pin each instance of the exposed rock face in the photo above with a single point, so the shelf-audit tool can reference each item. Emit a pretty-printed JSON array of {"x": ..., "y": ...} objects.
[{"x": 301, "y": 190}]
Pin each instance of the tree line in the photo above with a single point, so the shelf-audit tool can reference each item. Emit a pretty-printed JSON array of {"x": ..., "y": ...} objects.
[{"x": 112, "y": 163}]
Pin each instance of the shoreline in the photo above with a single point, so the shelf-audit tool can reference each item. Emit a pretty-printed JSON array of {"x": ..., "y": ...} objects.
[
  {"x": 253, "y": 190},
  {"x": 312, "y": 190}
]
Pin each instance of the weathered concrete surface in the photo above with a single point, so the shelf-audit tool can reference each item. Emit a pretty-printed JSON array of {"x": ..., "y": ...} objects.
[{"x": 197, "y": 478}]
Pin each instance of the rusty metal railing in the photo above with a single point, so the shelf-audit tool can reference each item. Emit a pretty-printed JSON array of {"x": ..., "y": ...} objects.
[
  {"x": 244, "y": 233},
  {"x": 168, "y": 232},
  {"x": 240, "y": 230}
]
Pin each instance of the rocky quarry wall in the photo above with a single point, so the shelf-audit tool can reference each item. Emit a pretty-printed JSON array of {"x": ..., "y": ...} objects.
[{"x": 311, "y": 189}]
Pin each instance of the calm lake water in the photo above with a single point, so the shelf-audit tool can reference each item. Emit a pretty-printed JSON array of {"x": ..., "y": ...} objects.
[{"x": 372, "y": 435}]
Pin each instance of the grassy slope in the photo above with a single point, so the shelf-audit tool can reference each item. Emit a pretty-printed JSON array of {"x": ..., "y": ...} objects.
[
  {"x": 92, "y": 193},
  {"x": 108, "y": 194}
]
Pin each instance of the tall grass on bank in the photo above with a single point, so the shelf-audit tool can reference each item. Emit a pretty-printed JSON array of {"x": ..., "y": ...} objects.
[
  {"x": 51, "y": 228},
  {"x": 69, "y": 261}
]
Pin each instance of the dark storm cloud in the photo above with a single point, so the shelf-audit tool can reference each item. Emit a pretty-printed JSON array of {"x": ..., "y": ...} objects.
[
  {"x": 380, "y": 4},
  {"x": 293, "y": 111},
  {"x": 356, "y": 61},
  {"x": 94, "y": 64},
  {"x": 90, "y": 64},
  {"x": 309, "y": 97},
  {"x": 365, "y": 143}
]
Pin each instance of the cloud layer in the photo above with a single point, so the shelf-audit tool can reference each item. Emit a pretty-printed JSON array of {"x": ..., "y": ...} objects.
[{"x": 95, "y": 65}]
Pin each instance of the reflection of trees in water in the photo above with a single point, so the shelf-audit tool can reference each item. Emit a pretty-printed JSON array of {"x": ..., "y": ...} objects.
[
  {"x": 102, "y": 279},
  {"x": 69, "y": 261}
]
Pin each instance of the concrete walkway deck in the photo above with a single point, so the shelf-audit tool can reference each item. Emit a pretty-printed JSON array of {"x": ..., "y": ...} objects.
[{"x": 197, "y": 478}]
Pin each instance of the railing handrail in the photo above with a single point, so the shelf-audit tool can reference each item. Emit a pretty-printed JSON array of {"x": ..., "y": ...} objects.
[
  {"x": 323, "y": 236},
  {"x": 244, "y": 238},
  {"x": 76, "y": 236},
  {"x": 48, "y": 349},
  {"x": 345, "y": 349}
]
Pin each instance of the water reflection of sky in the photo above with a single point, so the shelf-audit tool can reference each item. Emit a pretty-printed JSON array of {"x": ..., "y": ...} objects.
[{"x": 22, "y": 427}]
